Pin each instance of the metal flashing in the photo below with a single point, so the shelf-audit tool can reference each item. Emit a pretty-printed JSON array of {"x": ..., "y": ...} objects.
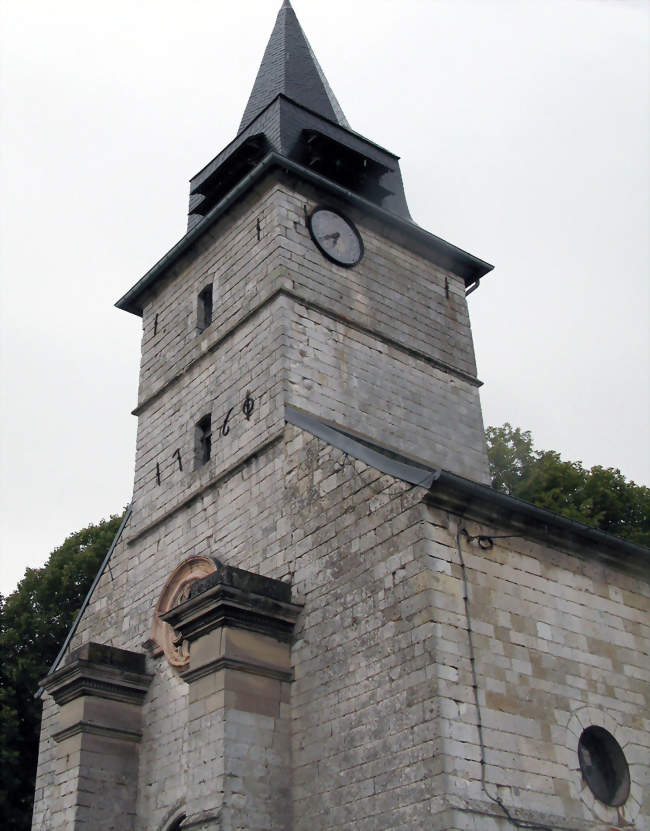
[
  {"x": 376, "y": 456},
  {"x": 86, "y": 601},
  {"x": 478, "y": 502}
]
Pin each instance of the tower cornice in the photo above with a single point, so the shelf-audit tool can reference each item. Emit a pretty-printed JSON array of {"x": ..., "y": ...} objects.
[{"x": 442, "y": 253}]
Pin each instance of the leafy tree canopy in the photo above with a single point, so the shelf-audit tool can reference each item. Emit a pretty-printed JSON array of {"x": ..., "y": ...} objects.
[
  {"x": 601, "y": 497},
  {"x": 34, "y": 621}
]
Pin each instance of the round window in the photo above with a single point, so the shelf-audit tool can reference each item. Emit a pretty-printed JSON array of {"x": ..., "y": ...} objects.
[{"x": 603, "y": 766}]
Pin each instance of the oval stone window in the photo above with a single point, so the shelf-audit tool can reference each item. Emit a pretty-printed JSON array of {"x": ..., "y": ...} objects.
[{"x": 604, "y": 766}]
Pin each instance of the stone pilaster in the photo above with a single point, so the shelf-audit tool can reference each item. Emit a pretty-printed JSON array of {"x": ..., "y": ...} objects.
[
  {"x": 238, "y": 627},
  {"x": 99, "y": 692}
]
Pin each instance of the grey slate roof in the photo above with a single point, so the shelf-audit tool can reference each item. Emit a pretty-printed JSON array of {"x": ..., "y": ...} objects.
[
  {"x": 293, "y": 112},
  {"x": 474, "y": 501},
  {"x": 289, "y": 67},
  {"x": 294, "y": 123}
]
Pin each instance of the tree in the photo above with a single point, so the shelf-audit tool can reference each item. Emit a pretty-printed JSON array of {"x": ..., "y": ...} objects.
[
  {"x": 601, "y": 497},
  {"x": 34, "y": 621}
]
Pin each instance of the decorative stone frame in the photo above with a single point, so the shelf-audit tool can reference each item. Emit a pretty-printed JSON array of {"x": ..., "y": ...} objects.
[
  {"x": 627, "y": 813},
  {"x": 176, "y": 590}
]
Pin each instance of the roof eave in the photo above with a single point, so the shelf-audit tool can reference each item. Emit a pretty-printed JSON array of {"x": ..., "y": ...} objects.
[
  {"x": 481, "y": 503},
  {"x": 207, "y": 169},
  {"x": 448, "y": 256}
]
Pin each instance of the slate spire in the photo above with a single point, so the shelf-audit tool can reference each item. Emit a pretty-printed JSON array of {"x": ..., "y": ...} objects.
[
  {"x": 289, "y": 67},
  {"x": 293, "y": 126}
]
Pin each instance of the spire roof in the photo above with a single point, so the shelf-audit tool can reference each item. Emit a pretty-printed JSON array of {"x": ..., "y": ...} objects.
[
  {"x": 294, "y": 125},
  {"x": 289, "y": 67}
]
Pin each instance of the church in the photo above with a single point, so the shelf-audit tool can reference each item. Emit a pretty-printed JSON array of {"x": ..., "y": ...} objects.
[{"x": 317, "y": 613}]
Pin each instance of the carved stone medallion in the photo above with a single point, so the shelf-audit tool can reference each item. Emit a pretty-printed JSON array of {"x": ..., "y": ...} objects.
[{"x": 176, "y": 590}]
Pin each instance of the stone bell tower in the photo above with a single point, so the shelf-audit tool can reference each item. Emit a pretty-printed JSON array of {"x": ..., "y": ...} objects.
[
  {"x": 307, "y": 371},
  {"x": 317, "y": 614},
  {"x": 265, "y": 295}
]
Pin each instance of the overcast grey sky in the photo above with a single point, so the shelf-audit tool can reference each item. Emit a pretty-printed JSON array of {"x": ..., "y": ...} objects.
[{"x": 523, "y": 132}]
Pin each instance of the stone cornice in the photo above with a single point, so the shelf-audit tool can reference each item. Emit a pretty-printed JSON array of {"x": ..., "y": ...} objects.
[
  {"x": 235, "y": 599},
  {"x": 100, "y": 670},
  {"x": 264, "y": 302},
  {"x": 218, "y": 664},
  {"x": 97, "y": 730}
]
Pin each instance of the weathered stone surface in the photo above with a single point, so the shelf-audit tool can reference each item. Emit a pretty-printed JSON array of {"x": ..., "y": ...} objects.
[
  {"x": 380, "y": 724},
  {"x": 382, "y": 718},
  {"x": 239, "y": 694},
  {"x": 99, "y": 693}
]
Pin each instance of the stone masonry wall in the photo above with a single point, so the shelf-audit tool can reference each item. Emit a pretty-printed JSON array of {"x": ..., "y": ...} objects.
[
  {"x": 380, "y": 392},
  {"x": 243, "y": 272},
  {"x": 383, "y": 722},
  {"x": 304, "y": 513},
  {"x": 50, "y": 804},
  {"x": 248, "y": 362},
  {"x": 393, "y": 334},
  {"x": 392, "y": 291},
  {"x": 562, "y": 642},
  {"x": 366, "y": 744}
]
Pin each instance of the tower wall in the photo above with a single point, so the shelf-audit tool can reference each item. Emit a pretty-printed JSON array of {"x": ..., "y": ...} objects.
[
  {"x": 395, "y": 292},
  {"x": 244, "y": 272},
  {"x": 383, "y": 350}
]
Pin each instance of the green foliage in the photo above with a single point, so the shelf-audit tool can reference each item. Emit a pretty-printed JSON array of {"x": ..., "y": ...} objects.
[
  {"x": 601, "y": 497},
  {"x": 34, "y": 621}
]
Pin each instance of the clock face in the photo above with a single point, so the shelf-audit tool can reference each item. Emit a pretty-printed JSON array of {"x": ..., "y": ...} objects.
[{"x": 336, "y": 237}]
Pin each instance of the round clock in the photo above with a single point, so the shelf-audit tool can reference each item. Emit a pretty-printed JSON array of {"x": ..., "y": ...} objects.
[{"x": 336, "y": 237}]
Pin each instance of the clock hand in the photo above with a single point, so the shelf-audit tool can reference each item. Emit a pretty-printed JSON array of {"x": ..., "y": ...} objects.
[{"x": 335, "y": 236}]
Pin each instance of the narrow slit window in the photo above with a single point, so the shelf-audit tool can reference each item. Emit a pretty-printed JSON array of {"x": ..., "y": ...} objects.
[
  {"x": 204, "y": 310},
  {"x": 203, "y": 441}
]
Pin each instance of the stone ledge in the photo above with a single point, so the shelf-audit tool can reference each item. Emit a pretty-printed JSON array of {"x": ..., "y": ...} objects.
[
  {"x": 97, "y": 730},
  {"x": 100, "y": 670},
  {"x": 244, "y": 581},
  {"x": 218, "y": 664},
  {"x": 237, "y": 599}
]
